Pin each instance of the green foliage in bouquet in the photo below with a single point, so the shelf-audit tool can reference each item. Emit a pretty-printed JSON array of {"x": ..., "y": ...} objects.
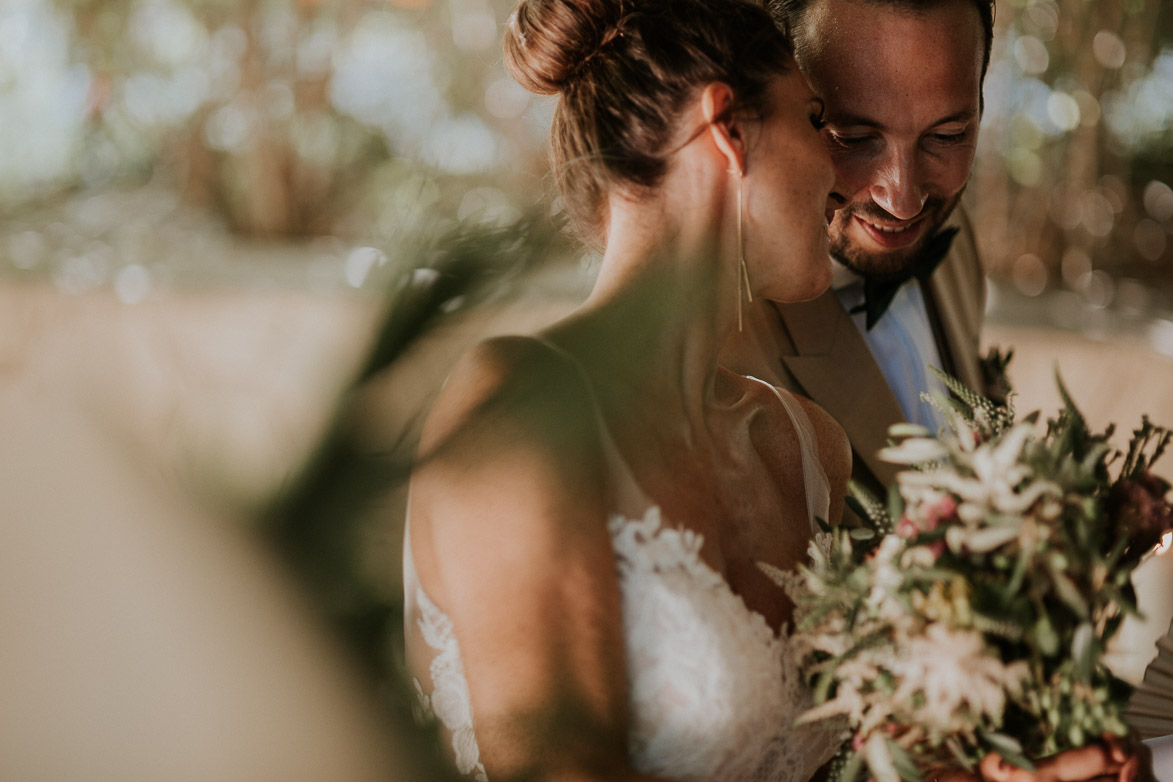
[{"x": 976, "y": 615}]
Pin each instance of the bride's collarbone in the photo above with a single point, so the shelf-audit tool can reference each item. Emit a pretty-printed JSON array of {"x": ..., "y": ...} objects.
[
  {"x": 739, "y": 512},
  {"x": 723, "y": 468},
  {"x": 745, "y": 499}
]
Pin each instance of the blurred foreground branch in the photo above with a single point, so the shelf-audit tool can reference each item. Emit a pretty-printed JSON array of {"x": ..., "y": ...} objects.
[{"x": 317, "y": 520}]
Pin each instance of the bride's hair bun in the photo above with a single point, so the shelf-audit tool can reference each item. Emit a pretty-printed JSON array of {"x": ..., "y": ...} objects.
[
  {"x": 625, "y": 72},
  {"x": 548, "y": 41}
]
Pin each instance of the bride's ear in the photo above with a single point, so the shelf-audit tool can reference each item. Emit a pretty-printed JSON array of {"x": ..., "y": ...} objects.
[{"x": 726, "y": 132}]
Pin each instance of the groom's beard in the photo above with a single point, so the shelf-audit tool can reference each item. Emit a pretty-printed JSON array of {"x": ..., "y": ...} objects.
[{"x": 883, "y": 264}]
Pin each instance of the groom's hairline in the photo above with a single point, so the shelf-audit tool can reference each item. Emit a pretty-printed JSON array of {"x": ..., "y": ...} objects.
[{"x": 791, "y": 15}]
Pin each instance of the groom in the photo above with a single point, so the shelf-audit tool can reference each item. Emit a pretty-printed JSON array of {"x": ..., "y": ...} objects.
[{"x": 902, "y": 84}]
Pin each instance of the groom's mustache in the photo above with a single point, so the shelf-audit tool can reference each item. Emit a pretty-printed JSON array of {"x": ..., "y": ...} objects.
[{"x": 871, "y": 209}]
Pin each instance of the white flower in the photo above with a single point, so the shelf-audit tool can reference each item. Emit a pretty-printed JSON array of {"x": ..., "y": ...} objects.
[
  {"x": 960, "y": 679},
  {"x": 887, "y": 578},
  {"x": 1000, "y": 486},
  {"x": 914, "y": 450},
  {"x": 918, "y": 557},
  {"x": 982, "y": 539}
]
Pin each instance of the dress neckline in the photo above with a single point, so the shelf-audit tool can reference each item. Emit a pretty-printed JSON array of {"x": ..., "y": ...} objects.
[{"x": 681, "y": 547}]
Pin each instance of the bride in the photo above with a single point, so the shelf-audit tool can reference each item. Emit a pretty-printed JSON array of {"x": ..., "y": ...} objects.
[
  {"x": 582, "y": 592},
  {"x": 582, "y": 586}
]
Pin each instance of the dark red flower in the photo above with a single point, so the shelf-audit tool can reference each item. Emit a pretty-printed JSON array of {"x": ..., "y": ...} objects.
[{"x": 1140, "y": 510}]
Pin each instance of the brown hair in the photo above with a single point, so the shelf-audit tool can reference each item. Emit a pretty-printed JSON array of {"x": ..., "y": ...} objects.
[
  {"x": 625, "y": 70},
  {"x": 790, "y": 15}
]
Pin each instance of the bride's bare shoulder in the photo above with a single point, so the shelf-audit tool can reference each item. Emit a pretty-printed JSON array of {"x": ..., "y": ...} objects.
[
  {"x": 510, "y": 489},
  {"x": 833, "y": 443},
  {"x": 834, "y": 448},
  {"x": 508, "y": 387}
]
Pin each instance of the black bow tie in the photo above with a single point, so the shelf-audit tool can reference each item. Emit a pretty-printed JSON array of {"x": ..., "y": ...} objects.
[{"x": 878, "y": 294}]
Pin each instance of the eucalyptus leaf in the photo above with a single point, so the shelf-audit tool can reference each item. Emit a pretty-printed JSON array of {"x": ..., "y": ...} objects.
[
  {"x": 1020, "y": 565},
  {"x": 958, "y": 752},
  {"x": 905, "y": 765},
  {"x": 824, "y": 683},
  {"x": 1045, "y": 637},
  {"x": 851, "y": 768},
  {"x": 879, "y": 759},
  {"x": 1008, "y": 747},
  {"x": 895, "y": 503},
  {"x": 1084, "y": 651},
  {"x": 1068, "y": 592}
]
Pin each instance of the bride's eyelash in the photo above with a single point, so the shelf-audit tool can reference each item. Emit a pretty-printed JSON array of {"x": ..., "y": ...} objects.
[{"x": 819, "y": 116}]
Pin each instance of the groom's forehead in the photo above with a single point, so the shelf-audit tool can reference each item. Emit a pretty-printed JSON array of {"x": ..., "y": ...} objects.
[
  {"x": 815, "y": 24},
  {"x": 890, "y": 47}
]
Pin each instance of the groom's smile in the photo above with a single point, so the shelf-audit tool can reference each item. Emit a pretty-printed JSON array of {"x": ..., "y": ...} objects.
[
  {"x": 871, "y": 241},
  {"x": 893, "y": 235}
]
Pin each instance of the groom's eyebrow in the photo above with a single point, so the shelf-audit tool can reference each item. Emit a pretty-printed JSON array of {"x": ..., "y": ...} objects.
[
  {"x": 855, "y": 120},
  {"x": 862, "y": 121},
  {"x": 960, "y": 116}
]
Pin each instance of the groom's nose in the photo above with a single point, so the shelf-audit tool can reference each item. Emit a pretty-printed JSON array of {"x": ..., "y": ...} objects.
[{"x": 897, "y": 185}]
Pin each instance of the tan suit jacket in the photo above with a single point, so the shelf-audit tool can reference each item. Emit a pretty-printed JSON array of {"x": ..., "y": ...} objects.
[{"x": 815, "y": 349}]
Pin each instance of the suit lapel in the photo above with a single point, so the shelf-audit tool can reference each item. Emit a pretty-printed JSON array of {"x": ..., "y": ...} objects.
[
  {"x": 833, "y": 365},
  {"x": 954, "y": 312}
]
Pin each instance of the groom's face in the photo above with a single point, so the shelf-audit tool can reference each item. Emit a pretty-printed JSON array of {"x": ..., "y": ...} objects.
[{"x": 902, "y": 89}]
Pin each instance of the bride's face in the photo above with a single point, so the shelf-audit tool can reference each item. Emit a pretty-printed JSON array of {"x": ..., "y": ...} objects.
[{"x": 787, "y": 195}]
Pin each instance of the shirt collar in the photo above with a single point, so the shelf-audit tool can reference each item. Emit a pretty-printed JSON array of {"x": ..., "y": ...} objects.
[{"x": 842, "y": 277}]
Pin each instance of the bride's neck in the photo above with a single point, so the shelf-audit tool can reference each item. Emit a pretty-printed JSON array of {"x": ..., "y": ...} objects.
[{"x": 668, "y": 280}]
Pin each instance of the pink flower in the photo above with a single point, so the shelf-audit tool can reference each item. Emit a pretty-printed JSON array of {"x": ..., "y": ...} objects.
[
  {"x": 945, "y": 509},
  {"x": 907, "y": 528}
]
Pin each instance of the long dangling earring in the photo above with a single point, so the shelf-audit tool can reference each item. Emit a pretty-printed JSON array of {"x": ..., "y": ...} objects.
[{"x": 742, "y": 270}]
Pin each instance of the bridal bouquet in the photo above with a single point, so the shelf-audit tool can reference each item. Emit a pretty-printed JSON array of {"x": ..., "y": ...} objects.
[{"x": 974, "y": 615}]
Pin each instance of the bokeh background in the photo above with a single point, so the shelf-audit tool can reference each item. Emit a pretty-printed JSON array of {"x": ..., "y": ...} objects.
[{"x": 228, "y": 288}]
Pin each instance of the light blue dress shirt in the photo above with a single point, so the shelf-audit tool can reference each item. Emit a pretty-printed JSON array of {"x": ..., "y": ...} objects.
[
  {"x": 902, "y": 343},
  {"x": 1162, "y": 758}
]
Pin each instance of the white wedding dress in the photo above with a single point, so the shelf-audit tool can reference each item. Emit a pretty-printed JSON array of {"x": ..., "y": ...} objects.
[{"x": 713, "y": 690}]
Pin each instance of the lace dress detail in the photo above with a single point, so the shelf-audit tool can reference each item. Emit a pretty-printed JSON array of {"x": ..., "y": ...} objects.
[
  {"x": 713, "y": 691},
  {"x": 449, "y": 701}
]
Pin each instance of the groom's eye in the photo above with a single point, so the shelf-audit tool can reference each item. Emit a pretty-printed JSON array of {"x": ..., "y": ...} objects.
[
  {"x": 949, "y": 138},
  {"x": 846, "y": 140}
]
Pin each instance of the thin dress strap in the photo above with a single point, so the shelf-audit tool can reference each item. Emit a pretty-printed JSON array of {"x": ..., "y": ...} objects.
[
  {"x": 630, "y": 499},
  {"x": 814, "y": 477}
]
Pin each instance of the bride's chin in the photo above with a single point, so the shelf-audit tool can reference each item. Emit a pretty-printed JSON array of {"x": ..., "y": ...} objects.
[
  {"x": 794, "y": 279},
  {"x": 814, "y": 284},
  {"x": 795, "y": 294}
]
